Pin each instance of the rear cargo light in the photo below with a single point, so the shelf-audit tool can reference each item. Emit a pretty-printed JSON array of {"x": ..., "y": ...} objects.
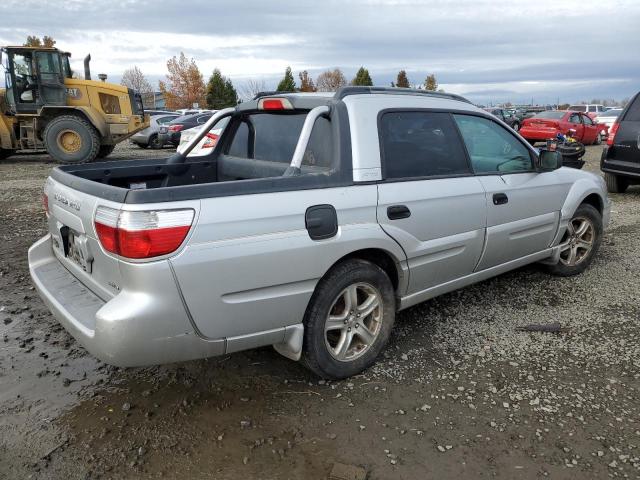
[
  {"x": 45, "y": 203},
  {"x": 274, "y": 104},
  {"x": 210, "y": 140},
  {"x": 142, "y": 234},
  {"x": 612, "y": 133},
  {"x": 175, "y": 128}
]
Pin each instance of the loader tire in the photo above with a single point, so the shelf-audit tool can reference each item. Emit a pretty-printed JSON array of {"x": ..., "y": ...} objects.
[
  {"x": 5, "y": 153},
  {"x": 105, "y": 151},
  {"x": 71, "y": 139}
]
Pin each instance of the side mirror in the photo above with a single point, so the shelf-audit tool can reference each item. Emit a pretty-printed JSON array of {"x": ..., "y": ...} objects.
[{"x": 550, "y": 160}]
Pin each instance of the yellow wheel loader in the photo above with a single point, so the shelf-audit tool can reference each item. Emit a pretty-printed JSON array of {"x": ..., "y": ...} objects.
[{"x": 44, "y": 108}]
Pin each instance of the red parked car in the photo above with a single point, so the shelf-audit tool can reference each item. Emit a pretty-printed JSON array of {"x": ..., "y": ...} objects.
[{"x": 546, "y": 125}]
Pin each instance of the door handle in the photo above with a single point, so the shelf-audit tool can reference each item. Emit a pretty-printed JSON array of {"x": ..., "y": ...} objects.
[
  {"x": 500, "y": 198},
  {"x": 397, "y": 212}
]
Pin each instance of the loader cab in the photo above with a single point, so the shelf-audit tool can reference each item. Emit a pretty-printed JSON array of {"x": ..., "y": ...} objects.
[{"x": 34, "y": 78}]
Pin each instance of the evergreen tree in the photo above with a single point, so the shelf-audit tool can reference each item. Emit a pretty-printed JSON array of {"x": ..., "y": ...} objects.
[
  {"x": 220, "y": 92},
  {"x": 402, "y": 81},
  {"x": 362, "y": 78},
  {"x": 430, "y": 83},
  {"x": 287, "y": 84}
]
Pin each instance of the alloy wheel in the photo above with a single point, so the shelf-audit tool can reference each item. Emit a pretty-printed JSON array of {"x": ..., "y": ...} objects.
[
  {"x": 577, "y": 242},
  {"x": 354, "y": 321}
]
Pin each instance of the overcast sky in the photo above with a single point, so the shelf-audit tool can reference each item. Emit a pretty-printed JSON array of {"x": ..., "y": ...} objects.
[{"x": 488, "y": 50}]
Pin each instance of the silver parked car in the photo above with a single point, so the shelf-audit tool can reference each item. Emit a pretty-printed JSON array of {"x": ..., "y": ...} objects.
[
  {"x": 309, "y": 225},
  {"x": 149, "y": 136}
]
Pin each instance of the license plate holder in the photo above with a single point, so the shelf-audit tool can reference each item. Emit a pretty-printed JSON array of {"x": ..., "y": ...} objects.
[{"x": 77, "y": 249}]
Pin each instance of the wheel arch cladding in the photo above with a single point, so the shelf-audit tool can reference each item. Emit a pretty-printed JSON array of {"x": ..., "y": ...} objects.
[{"x": 382, "y": 258}]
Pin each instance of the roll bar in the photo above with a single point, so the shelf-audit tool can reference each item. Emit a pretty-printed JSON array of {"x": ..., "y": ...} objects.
[{"x": 303, "y": 141}]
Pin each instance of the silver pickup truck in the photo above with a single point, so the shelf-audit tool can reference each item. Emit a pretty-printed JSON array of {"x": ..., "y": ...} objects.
[{"x": 311, "y": 223}]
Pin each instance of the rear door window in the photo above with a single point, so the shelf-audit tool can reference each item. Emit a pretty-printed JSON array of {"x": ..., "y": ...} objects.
[
  {"x": 420, "y": 144},
  {"x": 492, "y": 148}
]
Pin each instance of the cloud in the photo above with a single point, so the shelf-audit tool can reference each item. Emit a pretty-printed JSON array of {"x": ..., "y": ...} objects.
[{"x": 482, "y": 48}]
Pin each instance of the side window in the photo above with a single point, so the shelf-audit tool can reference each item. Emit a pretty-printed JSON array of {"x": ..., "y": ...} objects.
[
  {"x": 574, "y": 118},
  {"x": 240, "y": 145},
  {"x": 593, "y": 108},
  {"x": 586, "y": 120},
  {"x": 492, "y": 148},
  {"x": 633, "y": 114},
  {"x": 420, "y": 144}
]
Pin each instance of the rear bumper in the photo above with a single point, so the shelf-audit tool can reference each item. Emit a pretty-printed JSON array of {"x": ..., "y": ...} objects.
[
  {"x": 619, "y": 167},
  {"x": 145, "y": 324},
  {"x": 538, "y": 133}
]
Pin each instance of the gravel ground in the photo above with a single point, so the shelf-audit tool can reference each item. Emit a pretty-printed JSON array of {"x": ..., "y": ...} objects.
[{"x": 459, "y": 393}]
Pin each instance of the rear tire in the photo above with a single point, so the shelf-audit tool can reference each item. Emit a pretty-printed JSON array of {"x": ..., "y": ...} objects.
[
  {"x": 580, "y": 242},
  {"x": 71, "y": 139},
  {"x": 598, "y": 140},
  {"x": 154, "y": 142},
  {"x": 5, "y": 153},
  {"x": 348, "y": 320},
  {"x": 615, "y": 183},
  {"x": 105, "y": 151}
]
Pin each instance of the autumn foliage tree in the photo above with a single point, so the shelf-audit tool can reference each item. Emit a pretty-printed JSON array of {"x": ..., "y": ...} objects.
[
  {"x": 220, "y": 92},
  {"x": 402, "y": 81},
  {"x": 362, "y": 78},
  {"x": 306, "y": 82},
  {"x": 331, "y": 80},
  {"x": 430, "y": 83},
  {"x": 34, "y": 41},
  {"x": 185, "y": 83},
  {"x": 287, "y": 84}
]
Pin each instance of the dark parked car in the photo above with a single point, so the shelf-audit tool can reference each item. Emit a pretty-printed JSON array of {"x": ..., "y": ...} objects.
[
  {"x": 170, "y": 132},
  {"x": 510, "y": 119},
  {"x": 620, "y": 160}
]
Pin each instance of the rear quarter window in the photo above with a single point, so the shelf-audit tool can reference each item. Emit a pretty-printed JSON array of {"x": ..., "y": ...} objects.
[{"x": 633, "y": 114}]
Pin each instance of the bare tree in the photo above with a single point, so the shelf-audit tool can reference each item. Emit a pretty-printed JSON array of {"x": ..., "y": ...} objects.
[
  {"x": 331, "y": 80},
  {"x": 251, "y": 88},
  {"x": 134, "y": 78}
]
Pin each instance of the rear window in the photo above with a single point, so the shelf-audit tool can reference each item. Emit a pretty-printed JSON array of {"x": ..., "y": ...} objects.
[
  {"x": 421, "y": 144},
  {"x": 578, "y": 108},
  {"x": 274, "y": 138},
  {"x": 182, "y": 118},
  {"x": 551, "y": 114},
  {"x": 611, "y": 113}
]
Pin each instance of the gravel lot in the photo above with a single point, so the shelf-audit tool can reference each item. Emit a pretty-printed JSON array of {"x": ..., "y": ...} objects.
[{"x": 460, "y": 393}]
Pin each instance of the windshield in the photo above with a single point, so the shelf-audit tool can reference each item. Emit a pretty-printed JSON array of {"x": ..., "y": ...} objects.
[
  {"x": 578, "y": 108},
  {"x": 553, "y": 114}
]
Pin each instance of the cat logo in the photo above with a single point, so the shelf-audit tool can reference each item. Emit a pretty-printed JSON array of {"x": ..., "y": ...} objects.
[{"x": 74, "y": 93}]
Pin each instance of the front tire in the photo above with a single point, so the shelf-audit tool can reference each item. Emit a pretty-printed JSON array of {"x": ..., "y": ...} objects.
[
  {"x": 580, "y": 242},
  {"x": 349, "y": 320},
  {"x": 615, "y": 183},
  {"x": 71, "y": 139}
]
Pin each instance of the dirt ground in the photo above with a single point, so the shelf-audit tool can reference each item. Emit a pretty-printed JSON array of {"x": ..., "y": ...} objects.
[{"x": 459, "y": 393}]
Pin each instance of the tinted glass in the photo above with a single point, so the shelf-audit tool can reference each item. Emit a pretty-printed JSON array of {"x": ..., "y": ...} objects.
[
  {"x": 633, "y": 114},
  {"x": 163, "y": 120},
  {"x": 202, "y": 119},
  {"x": 611, "y": 113},
  {"x": 421, "y": 144},
  {"x": 276, "y": 137},
  {"x": 578, "y": 108},
  {"x": 492, "y": 148},
  {"x": 593, "y": 108},
  {"x": 586, "y": 120},
  {"x": 574, "y": 118},
  {"x": 182, "y": 118},
  {"x": 554, "y": 115}
]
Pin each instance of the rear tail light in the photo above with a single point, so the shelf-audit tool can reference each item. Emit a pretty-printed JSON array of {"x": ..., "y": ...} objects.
[
  {"x": 210, "y": 140},
  {"x": 142, "y": 234},
  {"x": 612, "y": 133},
  {"x": 45, "y": 203},
  {"x": 175, "y": 128}
]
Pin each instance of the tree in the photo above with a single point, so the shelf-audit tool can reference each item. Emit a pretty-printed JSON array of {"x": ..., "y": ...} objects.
[
  {"x": 251, "y": 88},
  {"x": 430, "y": 83},
  {"x": 306, "y": 82},
  {"x": 220, "y": 92},
  {"x": 34, "y": 41},
  {"x": 331, "y": 80},
  {"x": 185, "y": 84},
  {"x": 287, "y": 84},
  {"x": 134, "y": 78},
  {"x": 402, "y": 81},
  {"x": 362, "y": 78}
]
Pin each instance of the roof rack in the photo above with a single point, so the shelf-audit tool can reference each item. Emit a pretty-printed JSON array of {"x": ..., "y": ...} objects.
[{"x": 358, "y": 90}]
